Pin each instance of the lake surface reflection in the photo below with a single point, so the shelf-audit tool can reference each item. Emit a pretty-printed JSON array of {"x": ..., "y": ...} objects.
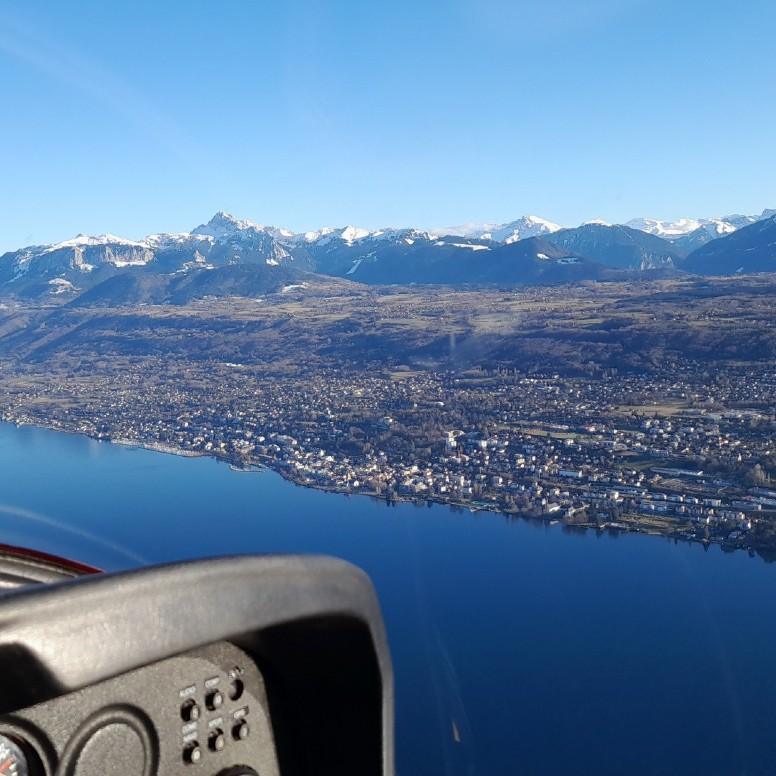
[{"x": 517, "y": 648}]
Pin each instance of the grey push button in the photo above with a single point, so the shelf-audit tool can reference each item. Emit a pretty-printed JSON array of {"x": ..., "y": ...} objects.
[
  {"x": 217, "y": 741},
  {"x": 236, "y": 689},
  {"x": 192, "y": 754},
  {"x": 241, "y": 731},
  {"x": 190, "y": 711}
]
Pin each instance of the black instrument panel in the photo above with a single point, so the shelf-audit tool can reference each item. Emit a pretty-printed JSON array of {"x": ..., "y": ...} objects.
[
  {"x": 199, "y": 713},
  {"x": 230, "y": 666}
]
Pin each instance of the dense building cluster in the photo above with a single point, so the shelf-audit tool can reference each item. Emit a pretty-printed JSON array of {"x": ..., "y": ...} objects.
[{"x": 679, "y": 454}]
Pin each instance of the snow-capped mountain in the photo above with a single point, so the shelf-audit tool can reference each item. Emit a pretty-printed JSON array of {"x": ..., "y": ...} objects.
[
  {"x": 348, "y": 235},
  {"x": 752, "y": 248},
  {"x": 690, "y": 233},
  {"x": 223, "y": 227},
  {"x": 670, "y": 230},
  {"x": 228, "y": 255},
  {"x": 521, "y": 229},
  {"x": 84, "y": 261},
  {"x": 685, "y": 233},
  {"x": 244, "y": 256},
  {"x": 63, "y": 267}
]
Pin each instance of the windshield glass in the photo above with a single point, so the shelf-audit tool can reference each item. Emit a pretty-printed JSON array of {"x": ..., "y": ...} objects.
[{"x": 477, "y": 296}]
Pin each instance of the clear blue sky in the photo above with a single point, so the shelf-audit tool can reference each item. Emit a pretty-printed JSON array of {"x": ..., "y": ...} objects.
[{"x": 138, "y": 117}]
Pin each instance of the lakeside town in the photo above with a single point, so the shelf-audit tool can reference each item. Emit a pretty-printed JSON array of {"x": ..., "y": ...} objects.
[
  {"x": 666, "y": 455},
  {"x": 645, "y": 407}
]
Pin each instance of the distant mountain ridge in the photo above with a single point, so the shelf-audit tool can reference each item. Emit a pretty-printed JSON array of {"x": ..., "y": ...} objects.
[
  {"x": 619, "y": 246},
  {"x": 228, "y": 255},
  {"x": 692, "y": 233},
  {"x": 521, "y": 229},
  {"x": 747, "y": 250}
]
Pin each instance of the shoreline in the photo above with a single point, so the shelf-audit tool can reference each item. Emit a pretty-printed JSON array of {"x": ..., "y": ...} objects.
[
  {"x": 157, "y": 447},
  {"x": 633, "y": 524},
  {"x": 611, "y": 527}
]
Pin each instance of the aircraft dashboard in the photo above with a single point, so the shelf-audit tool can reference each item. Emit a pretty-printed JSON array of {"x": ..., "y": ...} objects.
[{"x": 233, "y": 666}]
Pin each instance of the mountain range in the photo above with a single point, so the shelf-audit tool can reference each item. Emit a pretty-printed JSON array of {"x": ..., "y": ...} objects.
[{"x": 229, "y": 256}]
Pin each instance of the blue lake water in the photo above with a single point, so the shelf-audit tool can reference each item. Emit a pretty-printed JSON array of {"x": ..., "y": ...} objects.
[{"x": 549, "y": 652}]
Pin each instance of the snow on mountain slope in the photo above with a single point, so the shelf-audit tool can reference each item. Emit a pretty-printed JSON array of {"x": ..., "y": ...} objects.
[
  {"x": 312, "y": 237},
  {"x": 749, "y": 249},
  {"x": 739, "y": 221},
  {"x": 395, "y": 235},
  {"x": 696, "y": 230},
  {"x": 348, "y": 234},
  {"x": 223, "y": 225},
  {"x": 672, "y": 230},
  {"x": 666, "y": 229},
  {"x": 381, "y": 255},
  {"x": 323, "y": 236},
  {"x": 521, "y": 229},
  {"x": 82, "y": 240},
  {"x": 177, "y": 241}
]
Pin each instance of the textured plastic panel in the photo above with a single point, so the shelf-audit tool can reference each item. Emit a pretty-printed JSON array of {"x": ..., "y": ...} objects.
[
  {"x": 311, "y": 624},
  {"x": 134, "y": 723}
]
